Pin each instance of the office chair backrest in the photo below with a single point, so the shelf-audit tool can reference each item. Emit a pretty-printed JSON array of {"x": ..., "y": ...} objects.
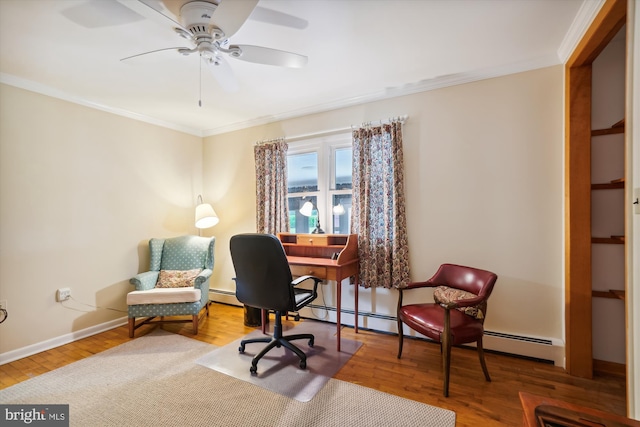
[{"x": 263, "y": 277}]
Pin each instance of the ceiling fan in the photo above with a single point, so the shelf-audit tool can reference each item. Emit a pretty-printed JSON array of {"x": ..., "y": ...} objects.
[{"x": 208, "y": 26}]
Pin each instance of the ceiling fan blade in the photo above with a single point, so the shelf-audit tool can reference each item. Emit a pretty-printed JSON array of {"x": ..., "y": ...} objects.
[
  {"x": 223, "y": 74},
  {"x": 153, "y": 51},
  {"x": 271, "y": 16},
  {"x": 98, "y": 14},
  {"x": 268, "y": 56},
  {"x": 231, "y": 14},
  {"x": 153, "y": 10}
]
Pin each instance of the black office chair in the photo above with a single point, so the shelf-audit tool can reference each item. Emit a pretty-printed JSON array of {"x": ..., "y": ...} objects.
[{"x": 263, "y": 280}]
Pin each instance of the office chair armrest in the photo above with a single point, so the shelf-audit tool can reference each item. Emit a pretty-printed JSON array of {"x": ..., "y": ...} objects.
[
  {"x": 145, "y": 281},
  {"x": 301, "y": 279}
]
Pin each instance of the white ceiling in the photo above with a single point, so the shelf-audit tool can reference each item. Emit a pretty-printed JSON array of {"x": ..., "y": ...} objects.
[{"x": 358, "y": 50}]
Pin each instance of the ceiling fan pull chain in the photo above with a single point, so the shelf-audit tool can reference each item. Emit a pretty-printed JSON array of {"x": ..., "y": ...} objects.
[{"x": 200, "y": 95}]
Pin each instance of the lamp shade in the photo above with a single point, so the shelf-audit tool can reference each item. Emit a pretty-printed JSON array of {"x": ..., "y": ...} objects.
[
  {"x": 205, "y": 216},
  {"x": 306, "y": 209}
]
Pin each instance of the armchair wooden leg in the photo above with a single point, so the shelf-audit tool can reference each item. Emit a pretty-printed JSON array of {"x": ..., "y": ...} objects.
[
  {"x": 195, "y": 324},
  {"x": 132, "y": 324},
  {"x": 400, "y": 331},
  {"x": 445, "y": 341},
  {"x": 400, "y": 337},
  {"x": 482, "y": 362},
  {"x": 446, "y": 362}
]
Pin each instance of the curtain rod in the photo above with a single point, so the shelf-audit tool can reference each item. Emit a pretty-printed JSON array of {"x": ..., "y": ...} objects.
[
  {"x": 380, "y": 122},
  {"x": 402, "y": 119},
  {"x": 269, "y": 141}
]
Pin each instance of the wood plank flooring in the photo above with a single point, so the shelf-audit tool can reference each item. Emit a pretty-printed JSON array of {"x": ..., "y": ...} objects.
[{"x": 416, "y": 376}]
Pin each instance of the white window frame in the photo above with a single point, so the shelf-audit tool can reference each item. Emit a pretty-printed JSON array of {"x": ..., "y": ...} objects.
[{"x": 325, "y": 147}]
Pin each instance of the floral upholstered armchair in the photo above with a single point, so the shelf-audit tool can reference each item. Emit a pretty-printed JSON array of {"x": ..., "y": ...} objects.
[{"x": 177, "y": 283}]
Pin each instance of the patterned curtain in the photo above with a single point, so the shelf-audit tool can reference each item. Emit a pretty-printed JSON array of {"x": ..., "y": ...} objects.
[
  {"x": 378, "y": 214},
  {"x": 272, "y": 210}
]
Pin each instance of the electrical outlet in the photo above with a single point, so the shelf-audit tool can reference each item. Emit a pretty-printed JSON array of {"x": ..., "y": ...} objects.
[
  {"x": 63, "y": 294},
  {"x": 3, "y": 304}
]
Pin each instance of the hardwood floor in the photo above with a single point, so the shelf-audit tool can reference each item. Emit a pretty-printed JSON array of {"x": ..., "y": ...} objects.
[{"x": 416, "y": 376}]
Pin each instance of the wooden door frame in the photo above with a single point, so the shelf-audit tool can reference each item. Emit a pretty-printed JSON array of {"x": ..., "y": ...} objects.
[{"x": 578, "y": 330}]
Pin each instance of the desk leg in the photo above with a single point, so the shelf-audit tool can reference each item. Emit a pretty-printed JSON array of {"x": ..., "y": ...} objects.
[
  {"x": 355, "y": 323},
  {"x": 338, "y": 310}
]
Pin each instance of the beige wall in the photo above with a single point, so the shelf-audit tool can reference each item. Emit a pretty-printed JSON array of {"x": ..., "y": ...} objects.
[
  {"x": 484, "y": 186},
  {"x": 81, "y": 192}
]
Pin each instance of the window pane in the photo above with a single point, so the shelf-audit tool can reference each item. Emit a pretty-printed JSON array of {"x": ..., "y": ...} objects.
[
  {"x": 343, "y": 168},
  {"x": 299, "y": 223},
  {"x": 341, "y": 213},
  {"x": 302, "y": 172}
]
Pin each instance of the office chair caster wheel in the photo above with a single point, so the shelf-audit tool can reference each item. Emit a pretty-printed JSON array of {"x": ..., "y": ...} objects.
[
  {"x": 253, "y": 370},
  {"x": 297, "y": 318},
  {"x": 241, "y": 349},
  {"x": 303, "y": 364},
  {"x": 311, "y": 342}
]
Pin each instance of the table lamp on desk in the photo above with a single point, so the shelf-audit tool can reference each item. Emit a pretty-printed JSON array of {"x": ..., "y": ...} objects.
[{"x": 306, "y": 210}]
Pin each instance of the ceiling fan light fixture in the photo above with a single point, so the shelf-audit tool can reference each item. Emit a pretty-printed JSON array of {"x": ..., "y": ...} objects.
[{"x": 208, "y": 53}]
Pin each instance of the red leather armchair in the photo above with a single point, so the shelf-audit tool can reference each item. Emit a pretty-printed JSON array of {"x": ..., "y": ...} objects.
[{"x": 457, "y": 317}]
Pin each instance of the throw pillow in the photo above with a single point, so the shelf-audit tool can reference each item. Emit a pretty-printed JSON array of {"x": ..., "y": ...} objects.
[
  {"x": 445, "y": 294},
  {"x": 177, "y": 278}
]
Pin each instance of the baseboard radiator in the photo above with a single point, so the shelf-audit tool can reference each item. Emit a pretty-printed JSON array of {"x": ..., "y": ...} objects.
[{"x": 541, "y": 349}]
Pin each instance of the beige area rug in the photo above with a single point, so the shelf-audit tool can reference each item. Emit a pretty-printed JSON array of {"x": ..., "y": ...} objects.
[
  {"x": 154, "y": 381},
  {"x": 279, "y": 370}
]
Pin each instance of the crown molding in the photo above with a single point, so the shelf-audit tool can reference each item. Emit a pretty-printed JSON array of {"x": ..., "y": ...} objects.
[
  {"x": 31, "y": 86},
  {"x": 585, "y": 16},
  {"x": 387, "y": 93}
]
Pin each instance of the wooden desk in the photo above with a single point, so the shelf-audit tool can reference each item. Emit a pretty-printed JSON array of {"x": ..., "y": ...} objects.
[
  {"x": 311, "y": 254},
  {"x": 579, "y": 415}
]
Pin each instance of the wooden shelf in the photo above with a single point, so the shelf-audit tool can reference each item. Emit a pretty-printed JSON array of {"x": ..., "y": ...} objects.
[
  {"x": 611, "y": 293},
  {"x": 619, "y": 124},
  {"x": 614, "y": 240},
  {"x": 613, "y": 185},
  {"x": 615, "y": 129}
]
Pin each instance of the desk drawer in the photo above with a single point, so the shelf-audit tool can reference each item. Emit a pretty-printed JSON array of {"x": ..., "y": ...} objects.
[
  {"x": 312, "y": 240},
  {"x": 309, "y": 270}
]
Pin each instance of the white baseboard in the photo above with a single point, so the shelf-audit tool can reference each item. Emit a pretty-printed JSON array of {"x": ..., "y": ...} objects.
[
  {"x": 30, "y": 350},
  {"x": 543, "y": 349}
]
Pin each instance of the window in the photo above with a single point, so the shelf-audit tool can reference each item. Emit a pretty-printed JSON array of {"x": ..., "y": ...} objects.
[{"x": 319, "y": 173}]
